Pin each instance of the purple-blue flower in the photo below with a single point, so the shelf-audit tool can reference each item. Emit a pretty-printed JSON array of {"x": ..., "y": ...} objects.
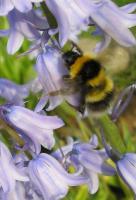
[
  {"x": 50, "y": 178},
  {"x": 22, "y": 25},
  {"x": 51, "y": 70},
  {"x": 39, "y": 128},
  {"x": 125, "y": 164},
  {"x": 126, "y": 168},
  {"x": 70, "y": 18},
  {"x": 110, "y": 20},
  {"x": 9, "y": 173},
  {"x": 12, "y": 92},
  {"x": 21, "y": 5},
  {"x": 23, "y": 191},
  {"x": 88, "y": 159}
]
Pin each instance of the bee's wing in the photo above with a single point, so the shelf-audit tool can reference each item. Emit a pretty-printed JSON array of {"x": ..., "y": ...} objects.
[
  {"x": 74, "y": 93},
  {"x": 71, "y": 91},
  {"x": 71, "y": 86}
]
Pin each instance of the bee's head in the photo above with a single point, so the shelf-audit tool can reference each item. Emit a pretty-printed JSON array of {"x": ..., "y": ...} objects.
[{"x": 70, "y": 57}]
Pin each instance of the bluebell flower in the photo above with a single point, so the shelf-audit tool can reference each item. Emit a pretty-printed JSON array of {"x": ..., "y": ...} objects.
[
  {"x": 110, "y": 20},
  {"x": 9, "y": 173},
  {"x": 39, "y": 128},
  {"x": 70, "y": 18},
  {"x": 50, "y": 178},
  {"x": 22, "y": 6},
  {"x": 22, "y": 25},
  {"x": 90, "y": 161},
  {"x": 51, "y": 70},
  {"x": 23, "y": 191},
  {"x": 35, "y": 85},
  {"x": 125, "y": 164},
  {"x": 126, "y": 168},
  {"x": 12, "y": 92},
  {"x": 17, "y": 192}
]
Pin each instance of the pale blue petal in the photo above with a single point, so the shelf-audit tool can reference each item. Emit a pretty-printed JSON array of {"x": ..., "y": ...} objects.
[
  {"x": 54, "y": 101},
  {"x": 93, "y": 182},
  {"x": 42, "y": 102},
  {"x": 95, "y": 162},
  {"x": 63, "y": 24},
  {"x": 22, "y": 6},
  {"x": 107, "y": 19},
  {"x": 131, "y": 7},
  {"x": 5, "y": 7},
  {"x": 50, "y": 178},
  {"x": 15, "y": 41},
  {"x": 12, "y": 92},
  {"x": 47, "y": 122},
  {"x": 50, "y": 68},
  {"x": 103, "y": 44},
  {"x": 94, "y": 141},
  {"x": 9, "y": 173},
  {"x": 38, "y": 127},
  {"x": 127, "y": 170},
  {"x": 131, "y": 156}
]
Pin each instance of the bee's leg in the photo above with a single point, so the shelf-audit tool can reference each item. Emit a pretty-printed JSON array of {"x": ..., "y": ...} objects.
[
  {"x": 74, "y": 45},
  {"x": 81, "y": 109},
  {"x": 123, "y": 101}
]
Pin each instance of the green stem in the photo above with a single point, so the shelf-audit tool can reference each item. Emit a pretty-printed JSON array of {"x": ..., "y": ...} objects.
[{"x": 12, "y": 133}]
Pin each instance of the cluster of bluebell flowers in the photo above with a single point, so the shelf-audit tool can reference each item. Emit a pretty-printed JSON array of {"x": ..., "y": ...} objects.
[{"x": 31, "y": 174}]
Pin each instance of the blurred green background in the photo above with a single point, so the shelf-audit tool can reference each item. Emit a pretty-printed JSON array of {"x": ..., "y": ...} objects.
[{"x": 120, "y": 64}]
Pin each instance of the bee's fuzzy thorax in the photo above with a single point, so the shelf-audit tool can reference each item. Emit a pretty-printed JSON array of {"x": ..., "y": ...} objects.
[{"x": 78, "y": 65}]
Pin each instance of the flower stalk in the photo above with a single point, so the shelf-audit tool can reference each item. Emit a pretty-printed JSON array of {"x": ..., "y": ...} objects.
[{"x": 13, "y": 134}]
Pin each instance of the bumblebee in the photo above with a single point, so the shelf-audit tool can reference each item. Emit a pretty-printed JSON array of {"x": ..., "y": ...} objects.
[{"x": 89, "y": 78}]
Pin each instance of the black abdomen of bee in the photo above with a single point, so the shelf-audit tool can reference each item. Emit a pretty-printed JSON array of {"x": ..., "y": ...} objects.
[{"x": 102, "y": 104}]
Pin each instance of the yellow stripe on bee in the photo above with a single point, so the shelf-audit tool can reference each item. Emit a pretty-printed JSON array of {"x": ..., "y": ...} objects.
[
  {"x": 98, "y": 79},
  {"x": 99, "y": 95},
  {"x": 77, "y": 66}
]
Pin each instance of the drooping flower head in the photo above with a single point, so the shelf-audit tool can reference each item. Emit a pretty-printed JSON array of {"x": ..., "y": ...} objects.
[
  {"x": 22, "y": 25},
  {"x": 110, "y": 20},
  {"x": 90, "y": 161},
  {"x": 51, "y": 71},
  {"x": 23, "y": 6},
  {"x": 125, "y": 164},
  {"x": 12, "y": 92},
  {"x": 9, "y": 173},
  {"x": 50, "y": 178},
  {"x": 39, "y": 128}
]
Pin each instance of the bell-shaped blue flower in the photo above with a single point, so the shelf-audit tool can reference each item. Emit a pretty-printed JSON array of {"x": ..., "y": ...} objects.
[
  {"x": 12, "y": 92},
  {"x": 22, "y": 25},
  {"x": 90, "y": 161},
  {"x": 9, "y": 173},
  {"x": 110, "y": 20},
  {"x": 39, "y": 128},
  {"x": 50, "y": 178},
  {"x": 22, "y": 6},
  {"x": 126, "y": 168},
  {"x": 51, "y": 71}
]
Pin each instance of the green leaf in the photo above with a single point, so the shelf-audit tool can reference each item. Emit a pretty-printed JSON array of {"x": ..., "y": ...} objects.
[
  {"x": 82, "y": 193},
  {"x": 112, "y": 133}
]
